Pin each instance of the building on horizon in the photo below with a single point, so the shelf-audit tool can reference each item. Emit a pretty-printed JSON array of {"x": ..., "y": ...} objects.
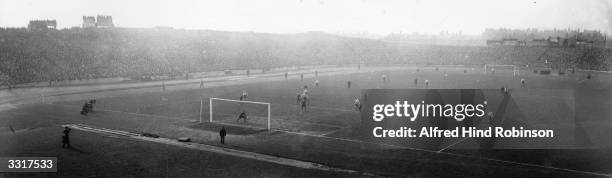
[
  {"x": 89, "y": 22},
  {"x": 555, "y": 37},
  {"x": 104, "y": 21},
  {"x": 42, "y": 25},
  {"x": 101, "y": 21}
]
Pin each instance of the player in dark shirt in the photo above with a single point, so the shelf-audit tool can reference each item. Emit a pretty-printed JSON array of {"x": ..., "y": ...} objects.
[
  {"x": 66, "y": 138},
  {"x": 242, "y": 116},
  {"x": 222, "y": 134},
  {"x": 303, "y": 102}
]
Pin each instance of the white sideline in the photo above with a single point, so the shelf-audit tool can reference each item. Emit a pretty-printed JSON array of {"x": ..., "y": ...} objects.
[{"x": 220, "y": 150}]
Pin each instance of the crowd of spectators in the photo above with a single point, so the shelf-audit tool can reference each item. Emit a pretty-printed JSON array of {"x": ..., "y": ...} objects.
[
  {"x": 76, "y": 54},
  {"x": 591, "y": 58}
]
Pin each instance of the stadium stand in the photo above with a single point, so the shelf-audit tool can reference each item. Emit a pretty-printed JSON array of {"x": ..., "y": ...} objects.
[{"x": 91, "y": 53}]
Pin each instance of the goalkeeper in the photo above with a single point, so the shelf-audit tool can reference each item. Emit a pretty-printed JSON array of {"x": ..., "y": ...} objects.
[{"x": 242, "y": 116}]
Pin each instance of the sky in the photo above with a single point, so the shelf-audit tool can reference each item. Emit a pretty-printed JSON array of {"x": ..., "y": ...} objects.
[{"x": 332, "y": 16}]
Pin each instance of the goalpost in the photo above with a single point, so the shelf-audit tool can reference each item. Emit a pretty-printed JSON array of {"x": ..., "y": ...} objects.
[
  {"x": 226, "y": 111},
  {"x": 515, "y": 69}
]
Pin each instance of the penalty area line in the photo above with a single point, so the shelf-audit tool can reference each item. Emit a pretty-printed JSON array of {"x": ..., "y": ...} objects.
[{"x": 130, "y": 113}]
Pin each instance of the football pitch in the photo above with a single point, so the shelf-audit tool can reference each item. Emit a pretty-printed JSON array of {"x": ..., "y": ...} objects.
[{"x": 326, "y": 133}]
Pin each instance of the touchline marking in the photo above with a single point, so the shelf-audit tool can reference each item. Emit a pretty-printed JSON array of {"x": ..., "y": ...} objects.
[
  {"x": 453, "y": 144},
  {"x": 333, "y": 131},
  {"x": 219, "y": 150}
]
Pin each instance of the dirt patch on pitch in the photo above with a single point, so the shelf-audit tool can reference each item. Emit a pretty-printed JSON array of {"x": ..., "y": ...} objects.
[{"x": 231, "y": 129}]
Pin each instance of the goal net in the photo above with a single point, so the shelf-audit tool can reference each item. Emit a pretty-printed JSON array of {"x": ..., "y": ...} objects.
[
  {"x": 495, "y": 68},
  {"x": 226, "y": 111}
]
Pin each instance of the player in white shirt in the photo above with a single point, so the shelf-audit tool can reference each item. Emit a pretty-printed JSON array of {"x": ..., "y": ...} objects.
[
  {"x": 305, "y": 91},
  {"x": 244, "y": 95},
  {"x": 357, "y": 104}
]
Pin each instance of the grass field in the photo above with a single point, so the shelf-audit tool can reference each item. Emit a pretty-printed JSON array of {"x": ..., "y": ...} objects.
[{"x": 325, "y": 134}]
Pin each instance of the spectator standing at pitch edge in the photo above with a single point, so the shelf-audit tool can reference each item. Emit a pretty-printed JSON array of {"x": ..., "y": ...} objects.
[
  {"x": 222, "y": 134},
  {"x": 66, "y": 138}
]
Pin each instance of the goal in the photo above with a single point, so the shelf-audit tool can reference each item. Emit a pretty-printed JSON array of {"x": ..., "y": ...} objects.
[
  {"x": 226, "y": 111},
  {"x": 501, "y": 68}
]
